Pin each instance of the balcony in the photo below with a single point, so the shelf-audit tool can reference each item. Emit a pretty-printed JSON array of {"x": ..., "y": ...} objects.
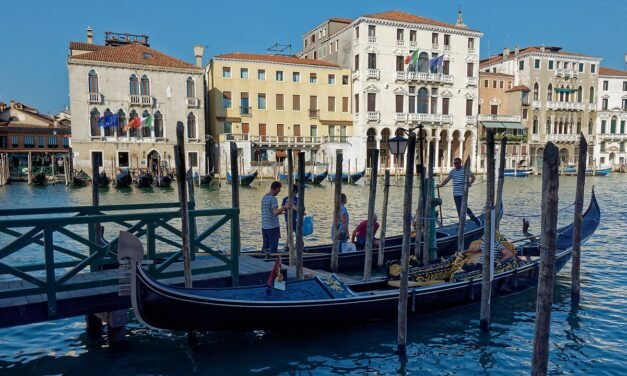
[
  {"x": 435, "y": 46},
  {"x": 592, "y": 106},
  {"x": 400, "y": 42},
  {"x": 314, "y": 114},
  {"x": 142, "y": 100},
  {"x": 472, "y": 81},
  {"x": 536, "y": 104},
  {"x": 506, "y": 118},
  {"x": 355, "y": 75},
  {"x": 566, "y": 73},
  {"x": 471, "y": 120},
  {"x": 447, "y": 47},
  {"x": 428, "y": 77},
  {"x": 373, "y": 116},
  {"x": 612, "y": 137},
  {"x": 563, "y": 138},
  {"x": 373, "y": 74},
  {"x": 400, "y": 117},
  {"x": 95, "y": 98},
  {"x": 401, "y": 76},
  {"x": 372, "y": 39},
  {"x": 535, "y": 137},
  {"x": 471, "y": 51},
  {"x": 192, "y": 102},
  {"x": 279, "y": 142},
  {"x": 568, "y": 106},
  {"x": 413, "y": 43},
  {"x": 246, "y": 111},
  {"x": 430, "y": 118}
]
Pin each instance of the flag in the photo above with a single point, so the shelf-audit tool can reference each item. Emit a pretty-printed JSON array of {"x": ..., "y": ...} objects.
[
  {"x": 108, "y": 121},
  {"x": 276, "y": 269},
  {"x": 412, "y": 58},
  {"x": 436, "y": 63},
  {"x": 134, "y": 123},
  {"x": 146, "y": 121}
]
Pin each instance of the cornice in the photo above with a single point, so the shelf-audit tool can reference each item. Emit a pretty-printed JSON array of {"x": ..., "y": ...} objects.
[
  {"x": 416, "y": 26},
  {"x": 92, "y": 63}
]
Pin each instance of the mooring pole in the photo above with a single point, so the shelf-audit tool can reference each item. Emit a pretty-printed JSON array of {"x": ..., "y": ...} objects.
[
  {"x": 234, "y": 175},
  {"x": 429, "y": 247},
  {"x": 499, "y": 188},
  {"x": 404, "y": 282},
  {"x": 384, "y": 217},
  {"x": 374, "y": 162},
  {"x": 546, "y": 275},
  {"x": 486, "y": 287},
  {"x": 181, "y": 179},
  {"x": 300, "y": 244},
  {"x": 581, "y": 181},
  {"x": 336, "y": 211},
  {"x": 290, "y": 213},
  {"x": 461, "y": 230}
]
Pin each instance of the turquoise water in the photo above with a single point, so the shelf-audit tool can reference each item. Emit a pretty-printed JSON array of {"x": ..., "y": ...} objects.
[{"x": 589, "y": 340}]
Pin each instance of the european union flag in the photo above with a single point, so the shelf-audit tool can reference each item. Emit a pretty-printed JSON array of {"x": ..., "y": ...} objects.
[
  {"x": 435, "y": 63},
  {"x": 108, "y": 121}
]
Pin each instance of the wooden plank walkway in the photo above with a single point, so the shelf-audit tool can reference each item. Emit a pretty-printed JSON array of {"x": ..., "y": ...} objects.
[{"x": 29, "y": 309}]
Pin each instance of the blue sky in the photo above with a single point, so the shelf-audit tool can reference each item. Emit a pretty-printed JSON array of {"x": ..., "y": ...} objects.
[{"x": 35, "y": 34}]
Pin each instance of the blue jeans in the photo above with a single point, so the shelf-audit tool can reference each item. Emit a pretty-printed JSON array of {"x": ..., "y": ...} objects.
[
  {"x": 270, "y": 239},
  {"x": 458, "y": 205}
]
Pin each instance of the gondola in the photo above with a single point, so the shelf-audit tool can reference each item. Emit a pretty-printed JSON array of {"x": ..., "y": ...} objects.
[
  {"x": 523, "y": 172},
  {"x": 162, "y": 181},
  {"x": 81, "y": 179},
  {"x": 206, "y": 179},
  {"x": 123, "y": 179},
  {"x": 243, "y": 180},
  {"x": 314, "y": 179},
  {"x": 324, "y": 303},
  {"x": 599, "y": 172},
  {"x": 103, "y": 180},
  {"x": 354, "y": 178},
  {"x": 144, "y": 180},
  {"x": 40, "y": 179}
]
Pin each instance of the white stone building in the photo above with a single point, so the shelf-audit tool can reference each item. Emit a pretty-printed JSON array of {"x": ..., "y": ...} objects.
[
  {"x": 610, "y": 132},
  {"x": 127, "y": 77},
  {"x": 389, "y": 94}
]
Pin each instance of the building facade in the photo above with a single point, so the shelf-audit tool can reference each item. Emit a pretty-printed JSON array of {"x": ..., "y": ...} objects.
[
  {"x": 269, "y": 103},
  {"x": 610, "y": 136},
  {"x": 562, "y": 98},
  {"x": 388, "y": 94},
  {"x": 127, "y": 78}
]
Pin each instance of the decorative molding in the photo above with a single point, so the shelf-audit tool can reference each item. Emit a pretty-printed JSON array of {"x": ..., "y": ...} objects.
[{"x": 372, "y": 89}]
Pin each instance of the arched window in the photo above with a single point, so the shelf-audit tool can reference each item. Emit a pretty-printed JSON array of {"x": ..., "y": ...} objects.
[
  {"x": 535, "y": 125},
  {"x": 536, "y": 89},
  {"x": 561, "y": 96},
  {"x": 580, "y": 94},
  {"x": 158, "y": 124},
  {"x": 548, "y": 125},
  {"x": 191, "y": 88},
  {"x": 567, "y": 93},
  {"x": 145, "y": 86},
  {"x": 578, "y": 125},
  {"x": 147, "y": 125},
  {"x": 132, "y": 132},
  {"x": 121, "y": 123},
  {"x": 423, "y": 62},
  {"x": 591, "y": 94},
  {"x": 191, "y": 126},
  {"x": 423, "y": 100},
  {"x": 133, "y": 85},
  {"x": 109, "y": 131},
  {"x": 549, "y": 93},
  {"x": 94, "y": 115},
  {"x": 613, "y": 125},
  {"x": 92, "y": 79}
]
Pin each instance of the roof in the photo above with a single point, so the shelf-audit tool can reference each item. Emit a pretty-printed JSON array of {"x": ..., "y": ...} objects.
[
  {"x": 518, "y": 88},
  {"x": 397, "y": 15},
  {"x": 85, "y": 46},
  {"x": 604, "y": 71},
  {"x": 496, "y": 74},
  {"x": 340, "y": 19},
  {"x": 134, "y": 54},
  {"x": 527, "y": 50},
  {"x": 277, "y": 59}
]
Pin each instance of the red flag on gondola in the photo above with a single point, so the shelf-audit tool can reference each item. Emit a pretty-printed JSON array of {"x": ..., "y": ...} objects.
[{"x": 275, "y": 271}]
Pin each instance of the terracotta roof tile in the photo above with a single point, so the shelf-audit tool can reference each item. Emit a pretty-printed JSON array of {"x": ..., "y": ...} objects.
[
  {"x": 340, "y": 19},
  {"x": 604, "y": 71},
  {"x": 134, "y": 54},
  {"x": 397, "y": 15},
  {"x": 547, "y": 50},
  {"x": 85, "y": 46},
  {"x": 496, "y": 74},
  {"x": 276, "y": 59},
  {"x": 518, "y": 88}
]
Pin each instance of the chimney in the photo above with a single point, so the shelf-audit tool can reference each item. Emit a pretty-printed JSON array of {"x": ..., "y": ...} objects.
[
  {"x": 3, "y": 106},
  {"x": 505, "y": 53},
  {"x": 198, "y": 52},
  {"x": 542, "y": 49},
  {"x": 516, "y": 50},
  {"x": 90, "y": 35}
]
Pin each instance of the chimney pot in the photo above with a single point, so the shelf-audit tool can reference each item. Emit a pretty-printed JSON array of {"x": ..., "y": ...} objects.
[
  {"x": 198, "y": 53},
  {"x": 90, "y": 35},
  {"x": 505, "y": 53},
  {"x": 516, "y": 50}
]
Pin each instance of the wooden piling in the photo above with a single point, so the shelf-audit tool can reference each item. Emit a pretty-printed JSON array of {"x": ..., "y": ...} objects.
[
  {"x": 486, "y": 287},
  {"x": 581, "y": 181},
  {"x": 374, "y": 162},
  {"x": 290, "y": 214},
  {"x": 234, "y": 175},
  {"x": 300, "y": 244},
  {"x": 501, "y": 181},
  {"x": 384, "y": 218},
  {"x": 428, "y": 219},
  {"x": 404, "y": 283},
  {"x": 181, "y": 179},
  {"x": 29, "y": 168},
  {"x": 336, "y": 211},
  {"x": 463, "y": 208},
  {"x": 548, "y": 239}
]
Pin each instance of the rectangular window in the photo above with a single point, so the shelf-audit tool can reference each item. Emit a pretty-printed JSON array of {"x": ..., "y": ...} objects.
[
  {"x": 331, "y": 104},
  {"x": 279, "y": 75},
  {"x": 244, "y": 103},
  {"x": 226, "y": 72},
  {"x": 226, "y": 99},
  {"x": 313, "y": 78},
  {"x": 624, "y": 85},
  {"x": 470, "y": 69},
  {"x": 521, "y": 65},
  {"x": 494, "y": 84},
  {"x": 29, "y": 141},
  {"x": 262, "y": 131},
  {"x": 228, "y": 127},
  {"x": 581, "y": 65},
  {"x": 551, "y": 62},
  {"x": 356, "y": 103},
  {"x": 332, "y": 133},
  {"x": 345, "y": 79},
  {"x": 243, "y": 73},
  {"x": 344, "y": 104},
  {"x": 400, "y": 63},
  {"x": 400, "y": 34},
  {"x": 605, "y": 84},
  {"x": 625, "y": 104},
  {"x": 536, "y": 63},
  {"x": 593, "y": 68},
  {"x": 434, "y": 103},
  {"x": 356, "y": 64},
  {"x": 446, "y": 66},
  {"x": 434, "y": 38},
  {"x": 297, "y": 130},
  {"x": 280, "y": 130},
  {"x": 245, "y": 128},
  {"x": 123, "y": 159},
  {"x": 52, "y": 141},
  {"x": 193, "y": 158},
  {"x": 447, "y": 40},
  {"x": 471, "y": 43},
  {"x": 372, "y": 102},
  {"x": 485, "y": 83},
  {"x": 500, "y": 84},
  {"x": 313, "y": 130},
  {"x": 525, "y": 111},
  {"x": 261, "y": 74},
  {"x": 261, "y": 101},
  {"x": 372, "y": 31},
  {"x": 372, "y": 61},
  {"x": 468, "y": 107},
  {"x": 603, "y": 126},
  {"x": 40, "y": 142},
  {"x": 331, "y": 79},
  {"x": 296, "y": 102},
  {"x": 15, "y": 142},
  {"x": 445, "y": 104},
  {"x": 357, "y": 32},
  {"x": 279, "y": 102},
  {"x": 604, "y": 104},
  {"x": 66, "y": 142},
  {"x": 296, "y": 77}
]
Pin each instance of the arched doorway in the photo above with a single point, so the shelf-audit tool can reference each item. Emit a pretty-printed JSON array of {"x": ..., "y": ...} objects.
[
  {"x": 385, "y": 154},
  {"x": 539, "y": 159},
  {"x": 564, "y": 157},
  {"x": 153, "y": 161},
  {"x": 371, "y": 144}
]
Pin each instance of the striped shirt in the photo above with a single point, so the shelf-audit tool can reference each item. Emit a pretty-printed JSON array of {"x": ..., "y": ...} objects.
[
  {"x": 457, "y": 175},
  {"x": 268, "y": 219},
  {"x": 498, "y": 252}
]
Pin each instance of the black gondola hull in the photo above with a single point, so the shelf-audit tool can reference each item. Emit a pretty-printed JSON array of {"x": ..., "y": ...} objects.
[{"x": 123, "y": 179}]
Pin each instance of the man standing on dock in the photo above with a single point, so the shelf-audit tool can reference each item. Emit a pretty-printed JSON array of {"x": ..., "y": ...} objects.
[
  {"x": 457, "y": 175},
  {"x": 270, "y": 226}
]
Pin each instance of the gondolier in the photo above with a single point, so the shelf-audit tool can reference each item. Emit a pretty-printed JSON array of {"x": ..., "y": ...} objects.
[
  {"x": 457, "y": 175},
  {"x": 270, "y": 211}
]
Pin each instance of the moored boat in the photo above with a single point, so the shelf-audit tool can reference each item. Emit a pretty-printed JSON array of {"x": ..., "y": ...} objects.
[
  {"x": 598, "y": 172},
  {"x": 206, "y": 179},
  {"x": 103, "y": 180},
  {"x": 162, "y": 181},
  {"x": 144, "y": 180},
  {"x": 81, "y": 179},
  {"x": 40, "y": 179},
  {"x": 354, "y": 178},
  {"x": 123, "y": 179},
  {"x": 522, "y": 172},
  {"x": 244, "y": 179}
]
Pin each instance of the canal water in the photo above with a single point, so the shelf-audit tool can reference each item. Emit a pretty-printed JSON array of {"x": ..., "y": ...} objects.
[{"x": 588, "y": 340}]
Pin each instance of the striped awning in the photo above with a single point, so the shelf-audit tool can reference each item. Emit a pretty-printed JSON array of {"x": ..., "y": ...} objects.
[{"x": 502, "y": 124}]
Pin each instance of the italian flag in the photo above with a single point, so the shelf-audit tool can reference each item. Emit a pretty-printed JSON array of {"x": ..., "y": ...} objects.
[
  {"x": 412, "y": 58},
  {"x": 146, "y": 121},
  {"x": 134, "y": 123}
]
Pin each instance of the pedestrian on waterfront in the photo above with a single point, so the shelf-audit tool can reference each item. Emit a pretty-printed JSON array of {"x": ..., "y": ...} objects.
[
  {"x": 294, "y": 211},
  {"x": 344, "y": 220},
  {"x": 457, "y": 175},
  {"x": 270, "y": 226},
  {"x": 359, "y": 234}
]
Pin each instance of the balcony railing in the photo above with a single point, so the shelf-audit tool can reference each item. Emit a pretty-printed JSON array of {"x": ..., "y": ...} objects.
[
  {"x": 471, "y": 81},
  {"x": 400, "y": 42},
  {"x": 435, "y": 46},
  {"x": 536, "y": 104},
  {"x": 507, "y": 118},
  {"x": 372, "y": 39},
  {"x": 142, "y": 100},
  {"x": 447, "y": 47},
  {"x": 192, "y": 102},
  {"x": 471, "y": 120},
  {"x": 400, "y": 116},
  {"x": 401, "y": 75},
  {"x": 355, "y": 75},
  {"x": 566, "y": 73},
  {"x": 95, "y": 98},
  {"x": 471, "y": 51},
  {"x": 428, "y": 77},
  {"x": 314, "y": 114},
  {"x": 429, "y": 118},
  {"x": 373, "y": 115},
  {"x": 338, "y": 139},
  {"x": 562, "y": 138},
  {"x": 279, "y": 140},
  {"x": 613, "y": 137},
  {"x": 413, "y": 43},
  {"x": 535, "y": 137},
  {"x": 374, "y": 73},
  {"x": 246, "y": 111},
  {"x": 574, "y": 106}
]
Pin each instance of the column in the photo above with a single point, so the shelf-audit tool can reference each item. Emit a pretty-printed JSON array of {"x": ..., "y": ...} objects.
[
  {"x": 447, "y": 163},
  {"x": 473, "y": 151},
  {"x": 437, "y": 167},
  {"x": 461, "y": 148}
]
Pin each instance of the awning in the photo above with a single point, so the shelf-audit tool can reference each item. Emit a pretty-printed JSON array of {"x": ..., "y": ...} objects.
[
  {"x": 502, "y": 124},
  {"x": 281, "y": 153}
]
